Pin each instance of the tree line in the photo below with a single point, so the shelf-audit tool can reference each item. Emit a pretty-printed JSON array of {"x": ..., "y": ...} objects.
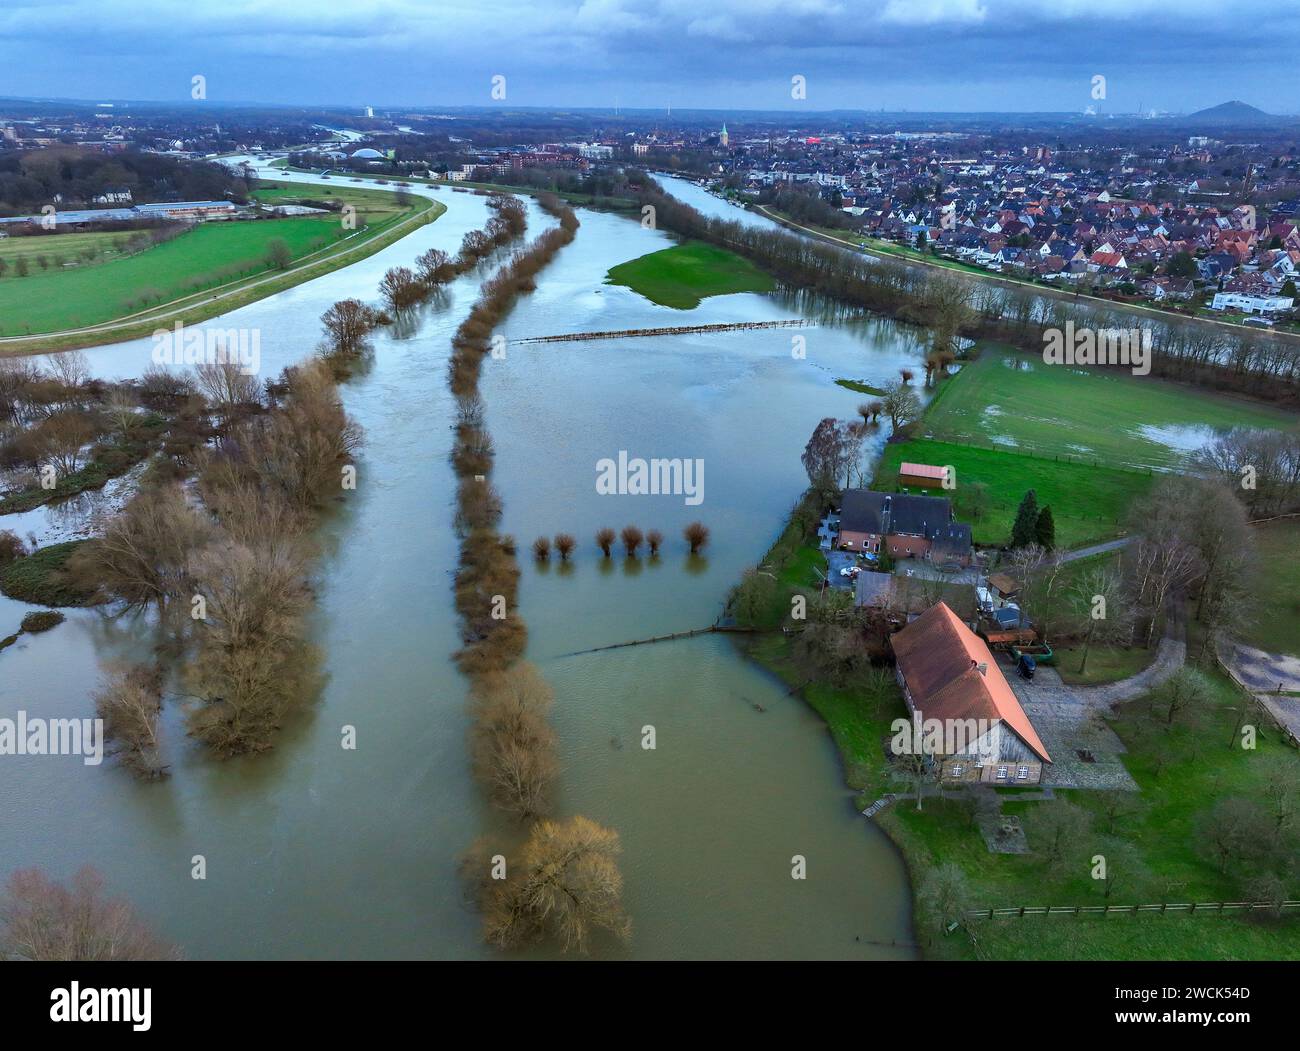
[
  {"x": 563, "y": 881},
  {"x": 1259, "y": 364}
]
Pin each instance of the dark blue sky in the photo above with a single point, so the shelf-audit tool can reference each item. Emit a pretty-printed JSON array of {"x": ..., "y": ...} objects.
[{"x": 1175, "y": 55}]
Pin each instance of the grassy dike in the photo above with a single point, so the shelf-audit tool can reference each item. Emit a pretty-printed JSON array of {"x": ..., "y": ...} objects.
[{"x": 213, "y": 302}]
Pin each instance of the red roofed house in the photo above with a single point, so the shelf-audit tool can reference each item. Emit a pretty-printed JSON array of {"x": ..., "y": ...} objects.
[
  {"x": 1108, "y": 259},
  {"x": 948, "y": 674},
  {"x": 922, "y": 475}
]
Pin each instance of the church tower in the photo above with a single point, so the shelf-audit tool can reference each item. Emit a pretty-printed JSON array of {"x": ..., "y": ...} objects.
[{"x": 722, "y": 139}]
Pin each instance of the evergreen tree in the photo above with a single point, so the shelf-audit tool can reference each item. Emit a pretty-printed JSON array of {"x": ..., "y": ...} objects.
[
  {"x": 1025, "y": 531},
  {"x": 1046, "y": 528}
]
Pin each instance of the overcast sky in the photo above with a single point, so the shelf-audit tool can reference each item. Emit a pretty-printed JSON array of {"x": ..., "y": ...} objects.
[{"x": 963, "y": 55}]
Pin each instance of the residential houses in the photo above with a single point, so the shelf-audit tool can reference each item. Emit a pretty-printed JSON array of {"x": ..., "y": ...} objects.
[{"x": 904, "y": 526}]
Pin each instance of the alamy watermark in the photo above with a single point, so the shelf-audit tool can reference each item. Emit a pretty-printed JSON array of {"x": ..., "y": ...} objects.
[
  {"x": 37, "y": 736},
  {"x": 1098, "y": 346},
  {"x": 75, "y": 1004},
  {"x": 634, "y": 476},
  {"x": 209, "y": 345},
  {"x": 940, "y": 737}
]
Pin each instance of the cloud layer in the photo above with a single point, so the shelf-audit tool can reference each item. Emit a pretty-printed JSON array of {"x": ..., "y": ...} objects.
[{"x": 892, "y": 54}]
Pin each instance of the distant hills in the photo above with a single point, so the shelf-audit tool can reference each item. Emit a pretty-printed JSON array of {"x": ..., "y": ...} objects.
[{"x": 1229, "y": 113}]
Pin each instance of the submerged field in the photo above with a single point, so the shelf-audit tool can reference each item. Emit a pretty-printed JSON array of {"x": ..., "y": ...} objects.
[
  {"x": 1014, "y": 401},
  {"x": 683, "y": 275}
]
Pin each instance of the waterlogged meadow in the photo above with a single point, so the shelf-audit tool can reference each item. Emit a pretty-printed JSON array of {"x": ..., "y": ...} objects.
[{"x": 1012, "y": 400}]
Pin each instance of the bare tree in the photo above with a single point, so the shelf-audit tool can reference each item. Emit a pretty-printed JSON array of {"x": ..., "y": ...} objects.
[
  {"x": 434, "y": 267},
  {"x": 71, "y": 369},
  {"x": 144, "y": 555},
  {"x": 1234, "y": 829},
  {"x": 1109, "y": 617},
  {"x": 541, "y": 549},
  {"x": 605, "y": 540},
  {"x": 61, "y": 441},
  {"x": 251, "y": 663},
  {"x": 1184, "y": 695},
  {"x": 564, "y": 544},
  {"x": 1163, "y": 558},
  {"x": 43, "y": 920},
  {"x": 697, "y": 536},
  {"x": 1281, "y": 790},
  {"x": 1054, "y": 830},
  {"x": 347, "y": 323},
  {"x": 566, "y": 885},
  {"x": 831, "y": 453},
  {"x": 400, "y": 288},
  {"x": 632, "y": 538},
  {"x": 945, "y": 896},
  {"x": 119, "y": 408},
  {"x": 654, "y": 540},
  {"x": 129, "y": 702},
  {"x": 901, "y": 405},
  {"x": 514, "y": 746},
  {"x": 227, "y": 387}
]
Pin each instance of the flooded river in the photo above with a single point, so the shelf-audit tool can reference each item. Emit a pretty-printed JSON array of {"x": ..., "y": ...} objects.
[{"x": 315, "y": 851}]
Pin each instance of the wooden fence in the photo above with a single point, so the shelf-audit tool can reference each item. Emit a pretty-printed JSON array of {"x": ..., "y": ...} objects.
[{"x": 1189, "y": 907}]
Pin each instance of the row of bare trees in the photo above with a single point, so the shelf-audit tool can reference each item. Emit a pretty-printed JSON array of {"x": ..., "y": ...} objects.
[
  {"x": 956, "y": 308},
  {"x": 696, "y": 535},
  {"x": 349, "y": 322},
  {"x": 563, "y": 881},
  {"x": 402, "y": 287}
]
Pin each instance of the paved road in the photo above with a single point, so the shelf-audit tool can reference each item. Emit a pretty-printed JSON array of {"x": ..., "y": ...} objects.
[
  {"x": 1263, "y": 673},
  {"x": 1096, "y": 549}
]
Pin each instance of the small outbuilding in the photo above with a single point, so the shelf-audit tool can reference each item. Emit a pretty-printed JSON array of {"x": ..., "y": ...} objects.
[{"x": 921, "y": 475}]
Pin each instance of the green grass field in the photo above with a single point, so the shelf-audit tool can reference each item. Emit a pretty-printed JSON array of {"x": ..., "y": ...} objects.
[
  {"x": 207, "y": 256},
  {"x": 683, "y": 275},
  {"x": 372, "y": 206},
  {"x": 1152, "y": 837},
  {"x": 1088, "y": 503},
  {"x": 1181, "y": 772},
  {"x": 48, "y": 302},
  {"x": 60, "y": 250},
  {"x": 1012, "y": 400},
  {"x": 1277, "y": 588}
]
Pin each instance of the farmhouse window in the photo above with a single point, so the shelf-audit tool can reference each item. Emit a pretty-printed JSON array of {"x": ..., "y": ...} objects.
[{"x": 1002, "y": 773}]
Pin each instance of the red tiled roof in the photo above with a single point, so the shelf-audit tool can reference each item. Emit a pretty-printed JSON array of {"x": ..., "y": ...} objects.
[
  {"x": 939, "y": 658},
  {"x": 923, "y": 470}
]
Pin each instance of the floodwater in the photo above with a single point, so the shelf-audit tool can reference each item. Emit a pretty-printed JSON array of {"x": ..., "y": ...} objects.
[{"x": 313, "y": 851}]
